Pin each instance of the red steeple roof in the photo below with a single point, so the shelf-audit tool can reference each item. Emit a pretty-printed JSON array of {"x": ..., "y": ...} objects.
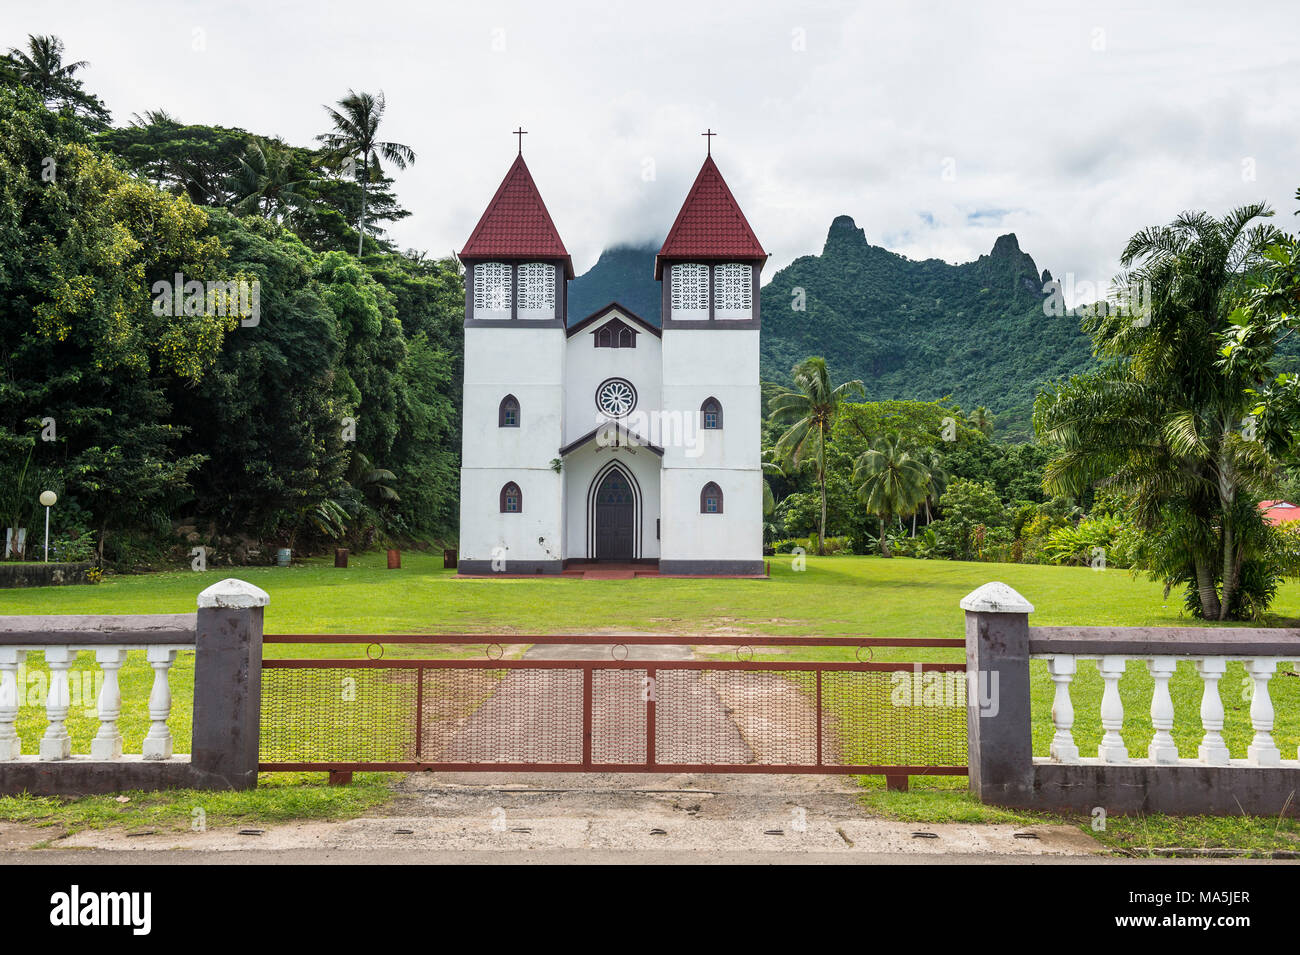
[
  {"x": 516, "y": 224},
  {"x": 710, "y": 224}
]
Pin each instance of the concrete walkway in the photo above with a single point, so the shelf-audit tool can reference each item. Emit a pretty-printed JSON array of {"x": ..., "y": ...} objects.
[{"x": 535, "y": 716}]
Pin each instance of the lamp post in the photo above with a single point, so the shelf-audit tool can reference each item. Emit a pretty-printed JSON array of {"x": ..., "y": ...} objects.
[{"x": 48, "y": 498}]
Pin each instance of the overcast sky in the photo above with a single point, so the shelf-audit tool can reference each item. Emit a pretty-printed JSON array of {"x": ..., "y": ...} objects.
[{"x": 936, "y": 126}]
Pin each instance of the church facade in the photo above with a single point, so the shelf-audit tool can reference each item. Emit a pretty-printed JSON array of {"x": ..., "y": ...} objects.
[{"x": 611, "y": 439}]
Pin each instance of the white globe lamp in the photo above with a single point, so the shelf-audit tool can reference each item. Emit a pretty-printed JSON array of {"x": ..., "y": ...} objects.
[{"x": 48, "y": 499}]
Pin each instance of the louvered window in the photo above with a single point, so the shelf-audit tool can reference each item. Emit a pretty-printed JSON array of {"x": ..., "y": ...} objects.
[
  {"x": 492, "y": 287},
  {"x": 733, "y": 288},
  {"x": 537, "y": 287},
  {"x": 690, "y": 291}
]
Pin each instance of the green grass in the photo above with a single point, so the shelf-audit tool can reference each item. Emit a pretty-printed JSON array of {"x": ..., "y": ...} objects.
[
  {"x": 834, "y": 597},
  {"x": 280, "y": 797}
]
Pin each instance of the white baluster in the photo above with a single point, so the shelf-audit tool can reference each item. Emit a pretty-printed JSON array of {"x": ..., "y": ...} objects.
[
  {"x": 56, "y": 743},
  {"x": 1262, "y": 750},
  {"x": 1212, "y": 751},
  {"x": 1112, "y": 748},
  {"x": 1062, "y": 667},
  {"x": 10, "y": 660},
  {"x": 107, "y": 743},
  {"x": 158, "y": 742},
  {"x": 1162, "y": 750}
]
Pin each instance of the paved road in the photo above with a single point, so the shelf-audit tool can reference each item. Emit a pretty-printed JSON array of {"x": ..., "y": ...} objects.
[
  {"x": 535, "y": 716},
  {"x": 556, "y": 857}
]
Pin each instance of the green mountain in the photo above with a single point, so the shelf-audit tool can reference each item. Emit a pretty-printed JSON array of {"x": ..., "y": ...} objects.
[
  {"x": 922, "y": 330},
  {"x": 623, "y": 274},
  {"x": 908, "y": 329}
]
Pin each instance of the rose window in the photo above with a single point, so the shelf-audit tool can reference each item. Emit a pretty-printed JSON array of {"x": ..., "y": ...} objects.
[{"x": 615, "y": 397}]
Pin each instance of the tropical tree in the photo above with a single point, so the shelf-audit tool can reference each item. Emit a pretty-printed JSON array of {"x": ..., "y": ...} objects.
[
  {"x": 40, "y": 68},
  {"x": 809, "y": 410},
  {"x": 936, "y": 481},
  {"x": 1166, "y": 420},
  {"x": 265, "y": 183},
  {"x": 981, "y": 419},
  {"x": 890, "y": 483},
  {"x": 770, "y": 467},
  {"x": 356, "y": 138}
]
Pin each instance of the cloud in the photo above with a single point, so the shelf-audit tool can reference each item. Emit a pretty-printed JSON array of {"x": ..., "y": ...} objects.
[{"x": 920, "y": 120}]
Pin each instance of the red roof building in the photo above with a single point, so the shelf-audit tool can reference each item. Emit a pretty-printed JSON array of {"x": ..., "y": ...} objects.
[
  {"x": 710, "y": 226},
  {"x": 516, "y": 225},
  {"x": 1278, "y": 513}
]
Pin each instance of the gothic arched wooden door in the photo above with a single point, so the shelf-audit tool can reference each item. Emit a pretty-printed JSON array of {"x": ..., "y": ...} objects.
[{"x": 615, "y": 517}]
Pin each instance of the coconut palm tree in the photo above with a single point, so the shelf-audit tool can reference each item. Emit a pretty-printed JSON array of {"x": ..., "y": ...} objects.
[
  {"x": 1163, "y": 419},
  {"x": 41, "y": 69},
  {"x": 355, "y": 137},
  {"x": 981, "y": 419},
  {"x": 890, "y": 483},
  {"x": 809, "y": 410},
  {"x": 264, "y": 183},
  {"x": 937, "y": 481},
  {"x": 770, "y": 467}
]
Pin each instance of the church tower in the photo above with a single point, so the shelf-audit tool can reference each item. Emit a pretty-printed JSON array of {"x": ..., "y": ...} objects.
[
  {"x": 712, "y": 482},
  {"x": 516, "y": 282}
]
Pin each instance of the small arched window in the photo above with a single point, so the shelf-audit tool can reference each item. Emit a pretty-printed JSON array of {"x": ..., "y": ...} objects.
[
  {"x": 508, "y": 412},
  {"x": 626, "y": 338},
  {"x": 512, "y": 499},
  {"x": 711, "y": 499},
  {"x": 711, "y": 415}
]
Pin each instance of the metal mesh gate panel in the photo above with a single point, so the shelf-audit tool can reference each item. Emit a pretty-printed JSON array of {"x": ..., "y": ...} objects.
[{"x": 612, "y": 715}]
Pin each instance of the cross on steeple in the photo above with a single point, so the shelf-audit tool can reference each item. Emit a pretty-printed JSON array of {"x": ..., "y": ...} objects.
[
  {"x": 521, "y": 133},
  {"x": 709, "y": 134}
]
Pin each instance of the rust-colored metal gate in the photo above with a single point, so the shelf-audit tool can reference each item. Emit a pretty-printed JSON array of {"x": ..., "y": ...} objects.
[{"x": 698, "y": 714}]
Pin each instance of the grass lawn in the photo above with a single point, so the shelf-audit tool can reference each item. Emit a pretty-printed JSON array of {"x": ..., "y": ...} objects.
[{"x": 841, "y": 596}]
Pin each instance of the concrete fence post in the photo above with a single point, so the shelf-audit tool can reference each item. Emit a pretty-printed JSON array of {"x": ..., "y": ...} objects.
[
  {"x": 228, "y": 685},
  {"x": 997, "y": 699}
]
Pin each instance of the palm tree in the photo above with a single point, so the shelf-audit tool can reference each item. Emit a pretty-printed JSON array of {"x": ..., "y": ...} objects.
[
  {"x": 770, "y": 467},
  {"x": 982, "y": 420},
  {"x": 355, "y": 136},
  {"x": 891, "y": 483},
  {"x": 810, "y": 410},
  {"x": 41, "y": 68},
  {"x": 1161, "y": 421},
  {"x": 937, "y": 481},
  {"x": 264, "y": 183}
]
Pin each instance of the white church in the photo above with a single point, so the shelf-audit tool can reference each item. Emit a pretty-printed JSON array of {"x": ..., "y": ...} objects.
[{"x": 611, "y": 441}]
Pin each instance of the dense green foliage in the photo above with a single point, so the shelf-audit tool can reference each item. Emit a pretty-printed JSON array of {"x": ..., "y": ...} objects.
[
  {"x": 1168, "y": 423},
  {"x": 922, "y": 330},
  {"x": 908, "y": 330},
  {"x": 327, "y": 412}
]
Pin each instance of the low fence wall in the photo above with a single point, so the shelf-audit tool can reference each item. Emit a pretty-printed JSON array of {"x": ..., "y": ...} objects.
[
  {"x": 225, "y": 636},
  {"x": 1003, "y": 770},
  {"x": 43, "y": 575}
]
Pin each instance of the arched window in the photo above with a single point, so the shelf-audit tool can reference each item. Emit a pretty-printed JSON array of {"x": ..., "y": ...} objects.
[
  {"x": 508, "y": 413},
  {"x": 512, "y": 499},
  {"x": 711, "y": 499},
  {"x": 711, "y": 415},
  {"x": 615, "y": 334}
]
